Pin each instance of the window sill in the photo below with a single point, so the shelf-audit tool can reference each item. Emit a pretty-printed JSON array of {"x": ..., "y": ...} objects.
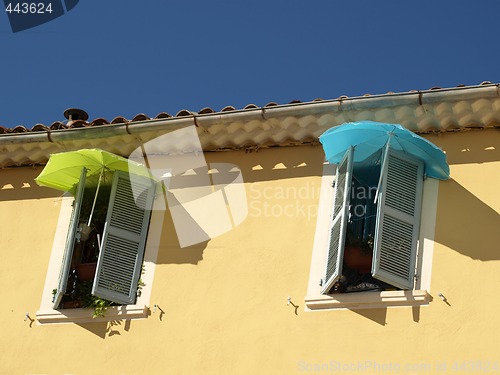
[
  {"x": 84, "y": 315},
  {"x": 367, "y": 300}
]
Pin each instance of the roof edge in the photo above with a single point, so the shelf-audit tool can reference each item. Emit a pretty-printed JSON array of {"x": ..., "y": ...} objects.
[{"x": 344, "y": 104}]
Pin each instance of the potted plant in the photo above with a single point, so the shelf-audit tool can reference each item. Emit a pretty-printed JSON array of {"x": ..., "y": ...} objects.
[
  {"x": 86, "y": 267},
  {"x": 99, "y": 304},
  {"x": 90, "y": 232},
  {"x": 358, "y": 253}
]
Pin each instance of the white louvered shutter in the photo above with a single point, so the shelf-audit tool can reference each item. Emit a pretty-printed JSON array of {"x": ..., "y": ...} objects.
[
  {"x": 338, "y": 223},
  {"x": 120, "y": 259},
  {"x": 398, "y": 220},
  {"x": 70, "y": 241}
]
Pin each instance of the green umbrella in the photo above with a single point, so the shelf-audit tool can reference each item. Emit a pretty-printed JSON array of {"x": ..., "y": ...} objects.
[{"x": 63, "y": 170}]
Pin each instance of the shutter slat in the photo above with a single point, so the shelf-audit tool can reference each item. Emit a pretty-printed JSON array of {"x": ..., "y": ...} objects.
[
  {"x": 398, "y": 218},
  {"x": 338, "y": 228},
  {"x": 120, "y": 259},
  {"x": 332, "y": 262},
  {"x": 70, "y": 241},
  {"x": 400, "y": 173},
  {"x": 339, "y": 188}
]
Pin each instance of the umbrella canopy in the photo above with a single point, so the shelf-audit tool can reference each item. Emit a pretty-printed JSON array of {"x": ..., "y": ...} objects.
[
  {"x": 368, "y": 137},
  {"x": 63, "y": 170}
]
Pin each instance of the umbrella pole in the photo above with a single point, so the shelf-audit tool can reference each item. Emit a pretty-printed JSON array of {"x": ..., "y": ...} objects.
[
  {"x": 386, "y": 154},
  {"x": 95, "y": 197}
]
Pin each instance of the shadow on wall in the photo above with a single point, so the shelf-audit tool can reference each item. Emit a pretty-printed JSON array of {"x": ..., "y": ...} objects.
[
  {"x": 378, "y": 316},
  {"x": 19, "y": 184},
  {"x": 255, "y": 166},
  {"x": 465, "y": 223},
  {"x": 104, "y": 329},
  {"x": 274, "y": 163},
  {"x": 171, "y": 252},
  {"x": 470, "y": 146}
]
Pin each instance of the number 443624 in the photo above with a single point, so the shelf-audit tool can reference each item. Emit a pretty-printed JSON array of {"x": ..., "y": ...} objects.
[{"x": 32, "y": 8}]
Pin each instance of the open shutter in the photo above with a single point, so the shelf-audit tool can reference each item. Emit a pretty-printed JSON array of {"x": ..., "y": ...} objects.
[
  {"x": 70, "y": 241},
  {"x": 339, "y": 217},
  {"x": 120, "y": 259},
  {"x": 398, "y": 219}
]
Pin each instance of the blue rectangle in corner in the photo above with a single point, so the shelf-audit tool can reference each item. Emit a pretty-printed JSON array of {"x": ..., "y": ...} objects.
[{"x": 25, "y": 15}]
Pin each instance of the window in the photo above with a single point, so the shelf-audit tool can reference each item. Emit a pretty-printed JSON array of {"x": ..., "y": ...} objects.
[
  {"x": 371, "y": 247},
  {"x": 127, "y": 209}
]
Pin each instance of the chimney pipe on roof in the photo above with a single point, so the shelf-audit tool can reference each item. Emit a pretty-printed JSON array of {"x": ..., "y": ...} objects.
[{"x": 75, "y": 114}]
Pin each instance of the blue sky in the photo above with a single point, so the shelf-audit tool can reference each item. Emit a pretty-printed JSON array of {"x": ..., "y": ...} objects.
[{"x": 120, "y": 58}]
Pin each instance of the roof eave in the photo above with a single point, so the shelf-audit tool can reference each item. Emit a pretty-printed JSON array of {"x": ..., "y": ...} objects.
[{"x": 420, "y": 111}]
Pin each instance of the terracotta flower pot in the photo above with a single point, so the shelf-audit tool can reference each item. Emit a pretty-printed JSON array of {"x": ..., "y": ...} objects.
[
  {"x": 357, "y": 259},
  {"x": 86, "y": 271},
  {"x": 71, "y": 304}
]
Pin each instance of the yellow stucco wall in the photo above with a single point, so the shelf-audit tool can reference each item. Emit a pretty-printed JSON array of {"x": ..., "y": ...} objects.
[{"x": 224, "y": 301}]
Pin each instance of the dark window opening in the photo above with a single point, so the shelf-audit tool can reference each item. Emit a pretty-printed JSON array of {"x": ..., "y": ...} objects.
[
  {"x": 358, "y": 250},
  {"x": 87, "y": 243}
]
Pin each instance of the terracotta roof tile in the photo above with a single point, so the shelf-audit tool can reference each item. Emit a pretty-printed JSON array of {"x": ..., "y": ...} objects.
[
  {"x": 251, "y": 106},
  {"x": 206, "y": 110},
  {"x": 141, "y": 117},
  {"x": 119, "y": 120},
  {"x": 183, "y": 113},
  {"x": 163, "y": 115},
  {"x": 19, "y": 129},
  {"x": 79, "y": 124},
  {"x": 58, "y": 125},
  {"x": 39, "y": 128},
  {"x": 99, "y": 121}
]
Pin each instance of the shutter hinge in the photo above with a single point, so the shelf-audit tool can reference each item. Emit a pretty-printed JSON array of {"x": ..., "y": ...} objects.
[{"x": 320, "y": 282}]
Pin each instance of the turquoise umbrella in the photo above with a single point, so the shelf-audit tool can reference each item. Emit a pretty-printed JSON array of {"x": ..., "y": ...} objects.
[{"x": 369, "y": 137}]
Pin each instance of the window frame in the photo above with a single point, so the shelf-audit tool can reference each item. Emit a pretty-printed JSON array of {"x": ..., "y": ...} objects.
[
  {"x": 419, "y": 295},
  {"x": 338, "y": 221},
  {"x": 140, "y": 309},
  {"x": 70, "y": 240}
]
